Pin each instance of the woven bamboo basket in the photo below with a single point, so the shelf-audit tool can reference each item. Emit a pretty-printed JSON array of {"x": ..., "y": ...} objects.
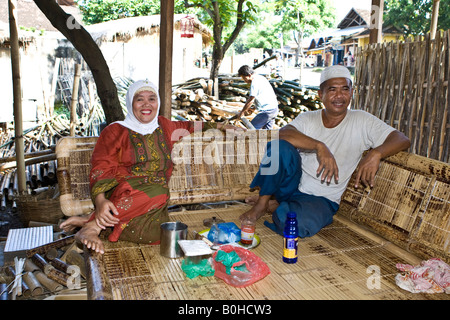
[{"x": 44, "y": 207}]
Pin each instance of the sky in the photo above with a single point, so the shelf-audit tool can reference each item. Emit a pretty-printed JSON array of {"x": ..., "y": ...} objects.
[{"x": 344, "y": 6}]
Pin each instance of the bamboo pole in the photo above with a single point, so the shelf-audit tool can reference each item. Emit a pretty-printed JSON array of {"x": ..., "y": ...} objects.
[
  {"x": 18, "y": 125},
  {"x": 434, "y": 19},
  {"x": 74, "y": 102}
]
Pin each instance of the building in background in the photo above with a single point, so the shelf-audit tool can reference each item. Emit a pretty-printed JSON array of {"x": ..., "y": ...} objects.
[{"x": 338, "y": 46}]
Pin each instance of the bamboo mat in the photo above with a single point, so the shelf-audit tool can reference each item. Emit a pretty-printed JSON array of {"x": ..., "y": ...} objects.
[{"x": 337, "y": 263}]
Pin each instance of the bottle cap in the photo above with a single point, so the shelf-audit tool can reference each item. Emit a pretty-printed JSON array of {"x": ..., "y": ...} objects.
[{"x": 292, "y": 214}]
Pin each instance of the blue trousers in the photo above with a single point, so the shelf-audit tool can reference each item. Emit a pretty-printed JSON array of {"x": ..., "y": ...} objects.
[
  {"x": 265, "y": 119},
  {"x": 279, "y": 175}
]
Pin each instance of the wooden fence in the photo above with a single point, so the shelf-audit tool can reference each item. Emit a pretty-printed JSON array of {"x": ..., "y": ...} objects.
[{"x": 406, "y": 85}]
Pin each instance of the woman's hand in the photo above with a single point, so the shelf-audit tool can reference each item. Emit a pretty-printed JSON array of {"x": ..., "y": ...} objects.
[{"x": 105, "y": 212}]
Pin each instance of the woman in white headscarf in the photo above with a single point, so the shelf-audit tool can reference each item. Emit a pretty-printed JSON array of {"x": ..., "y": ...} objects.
[{"x": 130, "y": 171}]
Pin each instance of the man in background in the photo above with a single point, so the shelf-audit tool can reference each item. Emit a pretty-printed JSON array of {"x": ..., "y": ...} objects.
[{"x": 262, "y": 95}]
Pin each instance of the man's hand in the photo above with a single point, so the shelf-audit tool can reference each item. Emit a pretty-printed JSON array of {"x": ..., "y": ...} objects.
[
  {"x": 327, "y": 164},
  {"x": 367, "y": 168}
]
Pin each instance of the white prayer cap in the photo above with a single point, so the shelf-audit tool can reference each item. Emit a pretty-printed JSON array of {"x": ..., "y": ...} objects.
[{"x": 336, "y": 71}]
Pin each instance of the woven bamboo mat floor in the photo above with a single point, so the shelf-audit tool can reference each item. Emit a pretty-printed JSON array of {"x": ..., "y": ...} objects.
[{"x": 337, "y": 263}]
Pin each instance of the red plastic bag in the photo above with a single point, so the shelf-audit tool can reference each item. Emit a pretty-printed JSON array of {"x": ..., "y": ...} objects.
[{"x": 257, "y": 269}]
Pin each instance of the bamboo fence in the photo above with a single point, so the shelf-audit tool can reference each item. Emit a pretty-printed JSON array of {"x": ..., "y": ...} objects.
[{"x": 405, "y": 84}]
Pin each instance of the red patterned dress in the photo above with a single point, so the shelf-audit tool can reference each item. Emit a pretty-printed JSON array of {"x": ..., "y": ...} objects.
[{"x": 133, "y": 171}]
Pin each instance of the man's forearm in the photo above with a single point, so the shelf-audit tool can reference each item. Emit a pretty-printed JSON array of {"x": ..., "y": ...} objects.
[
  {"x": 247, "y": 105},
  {"x": 298, "y": 139},
  {"x": 395, "y": 142}
]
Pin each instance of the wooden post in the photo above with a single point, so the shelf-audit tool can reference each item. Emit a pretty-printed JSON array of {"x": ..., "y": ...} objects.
[
  {"x": 165, "y": 57},
  {"x": 74, "y": 101},
  {"x": 434, "y": 19},
  {"x": 376, "y": 21},
  {"x": 17, "y": 93}
]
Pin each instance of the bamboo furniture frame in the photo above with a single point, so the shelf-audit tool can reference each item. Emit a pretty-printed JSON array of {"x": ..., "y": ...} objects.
[{"x": 403, "y": 219}]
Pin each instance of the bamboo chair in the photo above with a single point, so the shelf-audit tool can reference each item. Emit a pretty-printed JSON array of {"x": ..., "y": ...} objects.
[{"x": 403, "y": 219}]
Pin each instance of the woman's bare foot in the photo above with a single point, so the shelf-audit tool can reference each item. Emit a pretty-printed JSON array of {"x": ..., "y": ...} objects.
[
  {"x": 74, "y": 222},
  {"x": 88, "y": 235}
]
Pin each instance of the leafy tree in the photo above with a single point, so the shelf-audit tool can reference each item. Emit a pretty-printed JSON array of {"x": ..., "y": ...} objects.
[
  {"x": 266, "y": 29},
  {"x": 227, "y": 18},
  {"x": 96, "y": 11},
  {"x": 305, "y": 17},
  {"x": 414, "y": 16},
  {"x": 86, "y": 46}
]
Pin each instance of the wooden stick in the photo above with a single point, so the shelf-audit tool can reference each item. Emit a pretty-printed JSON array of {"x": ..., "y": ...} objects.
[{"x": 55, "y": 244}]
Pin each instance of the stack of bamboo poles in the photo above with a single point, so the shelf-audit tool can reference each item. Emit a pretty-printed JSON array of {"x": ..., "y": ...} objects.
[
  {"x": 40, "y": 158},
  {"x": 49, "y": 269},
  {"x": 192, "y": 100},
  {"x": 40, "y": 168}
]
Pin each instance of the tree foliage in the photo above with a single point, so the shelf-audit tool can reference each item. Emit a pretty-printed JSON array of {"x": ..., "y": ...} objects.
[
  {"x": 307, "y": 16},
  {"x": 97, "y": 11},
  {"x": 91, "y": 53},
  {"x": 227, "y": 18},
  {"x": 414, "y": 16}
]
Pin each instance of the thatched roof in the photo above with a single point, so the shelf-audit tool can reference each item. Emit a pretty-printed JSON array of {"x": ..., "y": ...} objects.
[
  {"x": 25, "y": 37},
  {"x": 127, "y": 28}
]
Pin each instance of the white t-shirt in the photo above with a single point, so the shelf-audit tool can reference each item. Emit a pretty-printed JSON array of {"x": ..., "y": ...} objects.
[
  {"x": 261, "y": 89},
  {"x": 359, "y": 131}
]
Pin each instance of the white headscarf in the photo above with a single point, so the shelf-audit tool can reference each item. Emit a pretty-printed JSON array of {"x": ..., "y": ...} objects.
[{"x": 130, "y": 120}]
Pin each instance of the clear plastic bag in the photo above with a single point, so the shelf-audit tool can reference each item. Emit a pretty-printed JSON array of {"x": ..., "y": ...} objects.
[
  {"x": 227, "y": 232},
  {"x": 238, "y": 276}
]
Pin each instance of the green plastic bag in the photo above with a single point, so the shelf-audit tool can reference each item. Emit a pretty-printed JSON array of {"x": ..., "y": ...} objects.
[
  {"x": 228, "y": 259},
  {"x": 193, "y": 270}
]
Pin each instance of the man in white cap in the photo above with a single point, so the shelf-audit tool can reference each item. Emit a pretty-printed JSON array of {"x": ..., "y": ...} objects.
[{"x": 317, "y": 154}]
